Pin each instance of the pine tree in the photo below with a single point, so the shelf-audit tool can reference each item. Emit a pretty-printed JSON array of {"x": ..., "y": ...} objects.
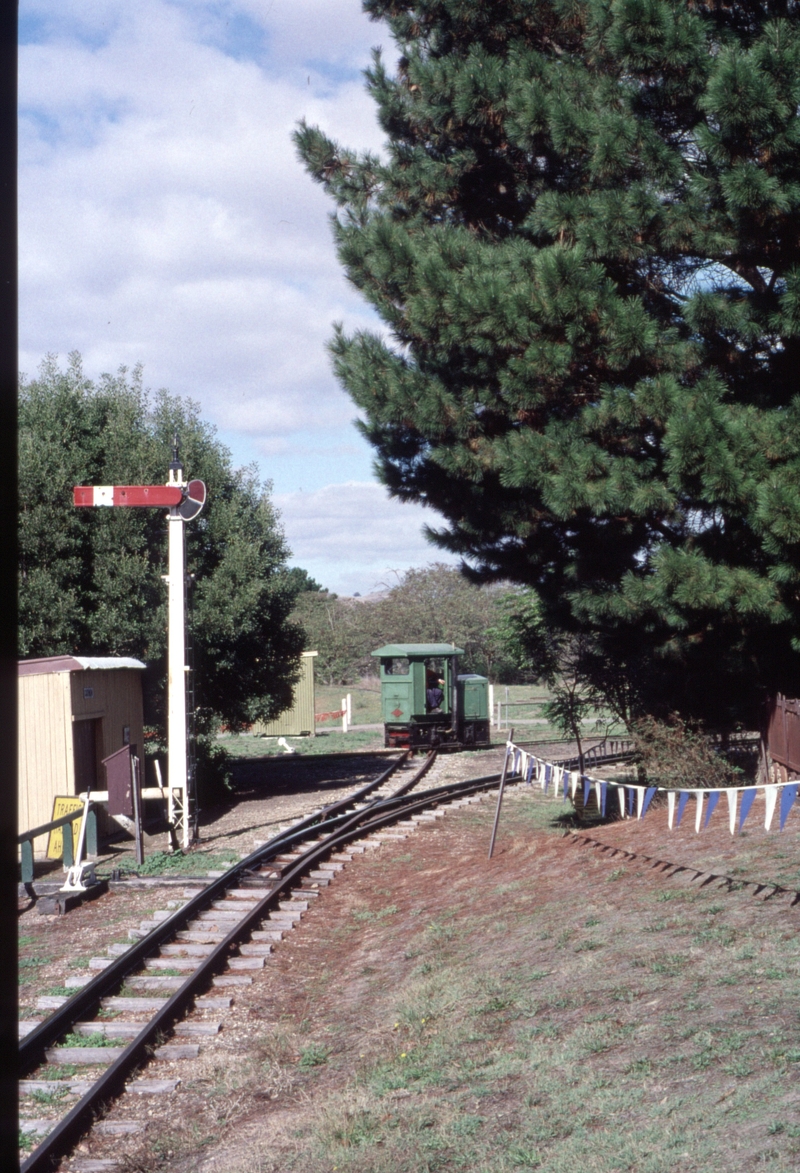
[{"x": 584, "y": 238}]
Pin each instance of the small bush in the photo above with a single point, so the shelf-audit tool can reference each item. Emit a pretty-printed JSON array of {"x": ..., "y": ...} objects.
[{"x": 674, "y": 754}]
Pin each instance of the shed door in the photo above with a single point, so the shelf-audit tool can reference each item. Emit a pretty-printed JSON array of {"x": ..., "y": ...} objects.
[{"x": 85, "y": 735}]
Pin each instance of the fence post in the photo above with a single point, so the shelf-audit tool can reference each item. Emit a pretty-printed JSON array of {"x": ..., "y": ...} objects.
[
  {"x": 343, "y": 707},
  {"x": 491, "y": 704},
  {"x": 27, "y": 861},
  {"x": 67, "y": 854},
  {"x": 91, "y": 832}
]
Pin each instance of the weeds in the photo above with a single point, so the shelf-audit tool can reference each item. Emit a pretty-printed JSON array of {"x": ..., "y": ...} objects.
[
  {"x": 176, "y": 863},
  {"x": 314, "y": 1055},
  {"x": 366, "y": 914},
  {"x": 27, "y": 1140},
  {"x": 96, "y": 1039},
  {"x": 33, "y": 962},
  {"x": 49, "y": 1098}
]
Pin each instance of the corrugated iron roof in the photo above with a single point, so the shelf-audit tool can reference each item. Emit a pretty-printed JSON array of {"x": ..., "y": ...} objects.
[{"x": 74, "y": 664}]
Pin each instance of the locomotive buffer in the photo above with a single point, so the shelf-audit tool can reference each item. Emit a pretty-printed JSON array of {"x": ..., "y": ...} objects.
[{"x": 183, "y": 501}]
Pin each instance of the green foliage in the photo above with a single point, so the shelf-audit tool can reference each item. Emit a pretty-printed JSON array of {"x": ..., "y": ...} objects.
[
  {"x": 90, "y": 579},
  {"x": 164, "y": 863},
  {"x": 314, "y": 1055},
  {"x": 431, "y": 604},
  {"x": 95, "y": 1039},
  {"x": 672, "y": 753},
  {"x": 582, "y": 679},
  {"x": 583, "y": 241}
]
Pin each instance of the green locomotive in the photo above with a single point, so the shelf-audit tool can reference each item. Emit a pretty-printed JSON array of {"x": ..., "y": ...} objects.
[{"x": 425, "y": 703}]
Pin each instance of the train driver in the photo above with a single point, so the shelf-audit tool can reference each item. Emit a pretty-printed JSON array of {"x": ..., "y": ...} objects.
[{"x": 434, "y": 692}]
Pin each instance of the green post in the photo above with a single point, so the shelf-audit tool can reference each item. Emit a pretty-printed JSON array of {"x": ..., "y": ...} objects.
[
  {"x": 66, "y": 839},
  {"x": 91, "y": 832},
  {"x": 27, "y": 861}
]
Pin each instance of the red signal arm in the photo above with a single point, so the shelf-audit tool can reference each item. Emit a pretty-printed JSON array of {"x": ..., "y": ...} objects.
[{"x": 164, "y": 495}]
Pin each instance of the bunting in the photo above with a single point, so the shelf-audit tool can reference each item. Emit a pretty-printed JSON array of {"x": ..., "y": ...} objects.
[{"x": 778, "y": 796}]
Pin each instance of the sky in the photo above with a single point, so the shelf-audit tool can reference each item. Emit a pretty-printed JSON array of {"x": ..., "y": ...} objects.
[{"x": 165, "y": 219}]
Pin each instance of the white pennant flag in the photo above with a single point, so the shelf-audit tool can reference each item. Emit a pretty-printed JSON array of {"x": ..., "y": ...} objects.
[
  {"x": 671, "y": 796},
  {"x": 599, "y": 796},
  {"x": 733, "y": 798},
  {"x": 621, "y": 797},
  {"x": 574, "y": 778},
  {"x": 699, "y": 816},
  {"x": 771, "y": 796},
  {"x": 639, "y": 801}
]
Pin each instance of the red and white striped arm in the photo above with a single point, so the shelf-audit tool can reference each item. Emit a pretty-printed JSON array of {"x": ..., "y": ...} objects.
[{"x": 164, "y": 495}]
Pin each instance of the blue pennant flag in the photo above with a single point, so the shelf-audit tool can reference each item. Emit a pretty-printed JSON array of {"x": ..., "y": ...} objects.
[
  {"x": 748, "y": 798},
  {"x": 566, "y": 784},
  {"x": 631, "y": 797},
  {"x": 603, "y": 793},
  {"x": 648, "y": 798},
  {"x": 682, "y": 801},
  {"x": 788, "y": 795},
  {"x": 548, "y": 773},
  {"x": 713, "y": 799},
  {"x": 587, "y": 786}
]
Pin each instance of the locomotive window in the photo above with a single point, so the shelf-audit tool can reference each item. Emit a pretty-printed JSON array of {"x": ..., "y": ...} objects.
[{"x": 396, "y": 667}]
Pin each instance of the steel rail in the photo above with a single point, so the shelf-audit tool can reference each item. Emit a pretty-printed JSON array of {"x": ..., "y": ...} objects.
[
  {"x": 380, "y": 813},
  {"x": 84, "y": 1001},
  {"x": 112, "y": 1080}
]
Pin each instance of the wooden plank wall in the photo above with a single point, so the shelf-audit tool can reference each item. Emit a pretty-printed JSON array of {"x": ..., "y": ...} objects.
[
  {"x": 48, "y": 705},
  {"x": 298, "y": 720},
  {"x": 45, "y": 747},
  {"x": 117, "y": 700}
]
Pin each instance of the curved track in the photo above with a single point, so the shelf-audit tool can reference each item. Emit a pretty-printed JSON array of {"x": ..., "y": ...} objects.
[{"x": 228, "y": 923}]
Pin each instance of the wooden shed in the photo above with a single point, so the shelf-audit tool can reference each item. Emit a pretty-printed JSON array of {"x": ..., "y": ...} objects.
[
  {"x": 73, "y": 712},
  {"x": 297, "y": 721}
]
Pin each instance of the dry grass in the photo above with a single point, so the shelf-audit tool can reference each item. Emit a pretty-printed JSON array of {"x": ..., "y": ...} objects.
[{"x": 557, "y": 1010}]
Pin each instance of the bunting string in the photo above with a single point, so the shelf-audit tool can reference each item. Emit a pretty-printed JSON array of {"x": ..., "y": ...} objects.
[{"x": 778, "y": 796}]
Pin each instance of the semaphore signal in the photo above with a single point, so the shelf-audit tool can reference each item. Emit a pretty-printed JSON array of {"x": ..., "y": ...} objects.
[{"x": 184, "y": 500}]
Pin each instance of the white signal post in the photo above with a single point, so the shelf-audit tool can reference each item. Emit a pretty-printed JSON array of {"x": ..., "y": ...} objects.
[
  {"x": 177, "y": 779},
  {"x": 184, "y": 501}
]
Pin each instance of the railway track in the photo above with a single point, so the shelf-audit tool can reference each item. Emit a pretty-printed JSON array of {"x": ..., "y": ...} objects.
[{"x": 195, "y": 956}]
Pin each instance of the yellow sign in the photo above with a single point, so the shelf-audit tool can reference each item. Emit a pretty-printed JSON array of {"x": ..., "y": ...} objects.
[{"x": 64, "y": 805}]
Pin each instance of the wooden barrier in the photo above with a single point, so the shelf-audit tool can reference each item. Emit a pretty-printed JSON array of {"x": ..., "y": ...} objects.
[{"x": 25, "y": 841}]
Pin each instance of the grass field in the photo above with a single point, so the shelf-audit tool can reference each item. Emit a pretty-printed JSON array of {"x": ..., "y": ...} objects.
[
  {"x": 524, "y": 714},
  {"x": 330, "y": 740}
]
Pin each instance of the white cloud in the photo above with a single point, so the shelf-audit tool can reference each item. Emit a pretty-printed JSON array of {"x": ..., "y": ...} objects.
[
  {"x": 358, "y": 528},
  {"x": 166, "y": 219}
]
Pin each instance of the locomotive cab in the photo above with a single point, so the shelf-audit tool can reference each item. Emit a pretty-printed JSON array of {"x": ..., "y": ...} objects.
[{"x": 425, "y": 703}]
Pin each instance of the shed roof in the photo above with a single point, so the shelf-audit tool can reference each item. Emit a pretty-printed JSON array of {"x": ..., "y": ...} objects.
[
  {"x": 418, "y": 650},
  {"x": 74, "y": 664}
]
